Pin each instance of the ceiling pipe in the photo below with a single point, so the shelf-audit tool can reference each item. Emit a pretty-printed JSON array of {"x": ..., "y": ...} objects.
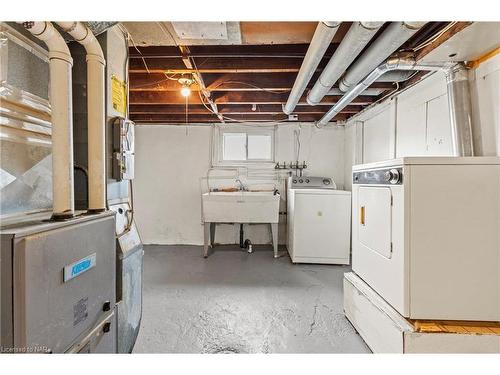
[
  {"x": 459, "y": 100},
  {"x": 396, "y": 76},
  {"x": 368, "y": 92},
  {"x": 356, "y": 39},
  {"x": 325, "y": 31},
  {"x": 396, "y": 34},
  {"x": 95, "y": 113},
  {"x": 60, "y": 64}
]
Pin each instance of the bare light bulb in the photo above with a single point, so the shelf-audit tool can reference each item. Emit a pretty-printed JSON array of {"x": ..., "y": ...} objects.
[{"x": 185, "y": 91}]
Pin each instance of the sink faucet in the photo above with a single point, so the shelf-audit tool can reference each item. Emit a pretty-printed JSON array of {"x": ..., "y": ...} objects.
[{"x": 242, "y": 187}]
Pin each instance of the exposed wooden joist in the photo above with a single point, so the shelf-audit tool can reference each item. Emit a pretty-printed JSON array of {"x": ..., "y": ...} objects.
[
  {"x": 250, "y": 97},
  {"x": 220, "y": 65},
  {"x": 227, "y": 82},
  {"x": 235, "y": 109},
  {"x": 179, "y": 118}
]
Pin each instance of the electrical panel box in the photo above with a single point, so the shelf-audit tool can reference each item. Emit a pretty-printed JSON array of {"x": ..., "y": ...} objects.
[{"x": 123, "y": 149}]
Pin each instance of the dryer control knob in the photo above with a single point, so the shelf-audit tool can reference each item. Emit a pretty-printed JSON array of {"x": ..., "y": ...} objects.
[{"x": 392, "y": 176}]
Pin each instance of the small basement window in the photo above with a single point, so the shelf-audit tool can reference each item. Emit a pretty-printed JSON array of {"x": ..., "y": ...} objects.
[{"x": 246, "y": 146}]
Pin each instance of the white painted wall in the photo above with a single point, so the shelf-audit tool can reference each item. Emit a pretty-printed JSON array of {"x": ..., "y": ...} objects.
[
  {"x": 485, "y": 84},
  {"x": 416, "y": 122},
  {"x": 171, "y": 160}
]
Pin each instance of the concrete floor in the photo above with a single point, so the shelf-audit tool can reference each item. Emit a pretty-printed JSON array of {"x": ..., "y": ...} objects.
[{"x": 234, "y": 302}]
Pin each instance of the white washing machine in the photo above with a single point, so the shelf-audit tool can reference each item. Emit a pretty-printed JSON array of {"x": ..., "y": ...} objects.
[
  {"x": 319, "y": 218},
  {"x": 426, "y": 235}
]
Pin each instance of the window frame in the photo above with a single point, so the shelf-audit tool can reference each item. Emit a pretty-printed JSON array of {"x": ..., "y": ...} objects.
[{"x": 218, "y": 155}]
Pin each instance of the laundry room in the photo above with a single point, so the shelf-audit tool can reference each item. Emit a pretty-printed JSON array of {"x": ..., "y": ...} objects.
[{"x": 218, "y": 184}]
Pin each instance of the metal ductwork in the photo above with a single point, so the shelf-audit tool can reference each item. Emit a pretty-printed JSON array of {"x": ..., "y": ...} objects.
[
  {"x": 368, "y": 92},
  {"x": 459, "y": 102},
  {"x": 458, "y": 97},
  {"x": 325, "y": 31},
  {"x": 356, "y": 39},
  {"x": 61, "y": 101},
  {"x": 396, "y": 34},
  {"x": 96, "y": 127},
  {"x": 396, "y": 76}
]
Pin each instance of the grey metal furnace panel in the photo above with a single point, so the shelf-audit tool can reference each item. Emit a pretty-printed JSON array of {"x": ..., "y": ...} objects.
[{"x": 63, "y": 281}]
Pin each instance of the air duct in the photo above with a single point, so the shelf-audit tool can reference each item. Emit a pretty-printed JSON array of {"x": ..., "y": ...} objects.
[
  {"x": 459, "y": 101},
  {"x": 60, "y": 64},
  {"x": 388, "y": 42},
  {"x": 95, "y": 113},
  {"x": 458, "y": 97},
  {"x": 368, "y": 92},
  {"x": 325, "y": 31},
  {"x": 395, "y": 76},
  {"x": 356, "y": 39}
]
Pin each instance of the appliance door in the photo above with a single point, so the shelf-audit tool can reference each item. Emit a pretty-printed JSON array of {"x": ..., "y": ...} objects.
[
  {"x": 321, "y": 227},
  {"x": 375, "y": 219},
  {"x": 378, "y": 241}
]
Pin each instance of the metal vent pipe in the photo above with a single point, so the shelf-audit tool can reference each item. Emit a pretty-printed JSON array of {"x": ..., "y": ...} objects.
[
  {"x": 95, "y": 113},
  {"x": 325, "y": 31},
  {"x": 395, "y": 76},
  {"x": 459, "y": 100},
  {"x": 60, "y": 64},
  {"x": 358, "y": 36},
  {"x": 387, "y": 43}
]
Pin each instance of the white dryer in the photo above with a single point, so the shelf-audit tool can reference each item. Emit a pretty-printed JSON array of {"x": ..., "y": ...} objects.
[
  {"x": 318, "y": 221},
  {"x": 426, "y": 235}
]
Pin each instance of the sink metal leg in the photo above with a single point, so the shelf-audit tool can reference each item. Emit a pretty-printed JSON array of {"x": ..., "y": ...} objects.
[
  {"x": 206, "y": 239},
  {"x": 212, "y": 234},
  {"x": 274, "y": 231}
]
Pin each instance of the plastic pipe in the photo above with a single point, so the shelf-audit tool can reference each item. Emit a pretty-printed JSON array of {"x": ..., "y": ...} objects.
[
  {"x": 95, "y": 113},
  {"x": 60, "y": 64}
]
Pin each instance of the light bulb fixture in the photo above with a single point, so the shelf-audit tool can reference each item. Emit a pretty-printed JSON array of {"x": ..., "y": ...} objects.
[
  {"x": 185, "y": 91},
  {"x": 186, "y": 83}
]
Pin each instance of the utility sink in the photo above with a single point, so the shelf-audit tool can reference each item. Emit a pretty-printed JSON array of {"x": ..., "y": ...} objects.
[{"x": 240, "y": 207}]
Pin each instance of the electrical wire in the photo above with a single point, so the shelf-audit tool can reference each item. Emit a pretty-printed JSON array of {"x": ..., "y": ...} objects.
[
  {"x": 433, "y": 38},
  {"x": 249, "y": 85},
  {"x": 167, "y": 32},
  {"x": 236, "y": 120},
  {"x": 223, "y": 116},
  {"x": 129, "y": 37}
]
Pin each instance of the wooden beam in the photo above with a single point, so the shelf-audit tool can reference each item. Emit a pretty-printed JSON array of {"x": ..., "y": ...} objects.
[
  {"x": 250, "y": 97},
  {"x": 234, "y": 109},
  {"x": 193, "y": 118},
  {"x": 220, "y": 65},
  {"x": 228, "y": 82}
]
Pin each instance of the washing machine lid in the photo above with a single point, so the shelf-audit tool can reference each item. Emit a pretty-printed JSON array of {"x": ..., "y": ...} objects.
[{"x": 309, "y": 182}]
